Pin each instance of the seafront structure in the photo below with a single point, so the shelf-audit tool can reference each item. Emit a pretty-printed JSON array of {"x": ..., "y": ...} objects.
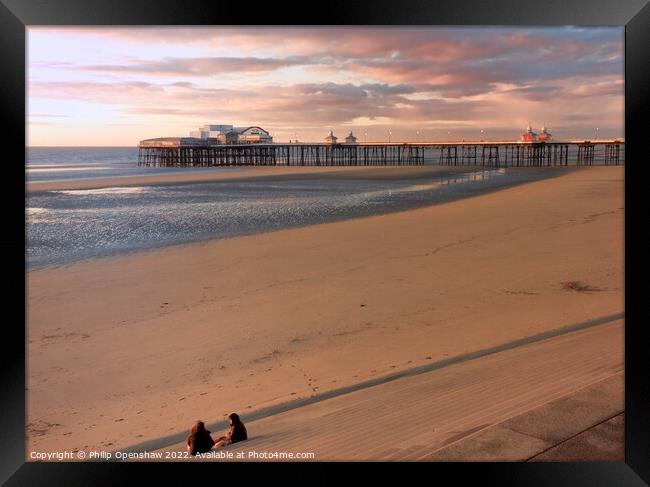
[
  {"x": 211, "y": 131},
  {"x": 530, "y": 136},
  {"x": 350, "y": 139},
  {"x": 544, "y": 135},
  {"x": 331, "y": 138},
  {"x": 192, "y": 151},
  {"x": 225, "y": 145},
  {"x": 229, "y": 134}
]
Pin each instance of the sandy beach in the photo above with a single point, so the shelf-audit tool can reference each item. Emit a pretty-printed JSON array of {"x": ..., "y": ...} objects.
[{"x": 126, "y": 349}]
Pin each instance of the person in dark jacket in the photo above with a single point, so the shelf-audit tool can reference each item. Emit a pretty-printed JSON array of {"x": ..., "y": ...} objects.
[
  {"x": 199, "y": 440},
  {"x": 237, "y": 432}
]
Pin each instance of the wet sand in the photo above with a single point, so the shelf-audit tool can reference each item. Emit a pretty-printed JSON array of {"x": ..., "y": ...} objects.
[
  {"x": 248, "y": 173},
  {"x": 128, "y": 349}
]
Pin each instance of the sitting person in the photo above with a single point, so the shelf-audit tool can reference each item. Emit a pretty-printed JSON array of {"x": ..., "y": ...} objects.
[
  {"x": 199, "y": 440},
  {"x": 237, "y": 432}
]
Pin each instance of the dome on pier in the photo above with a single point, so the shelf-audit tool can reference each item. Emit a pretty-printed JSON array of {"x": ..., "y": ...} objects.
[
  {"x": 350, "y": 139},
  {"x": 529, "y": 135},
  {"x": 544, "y": 135},
  {"x": 331, "y": 138}
]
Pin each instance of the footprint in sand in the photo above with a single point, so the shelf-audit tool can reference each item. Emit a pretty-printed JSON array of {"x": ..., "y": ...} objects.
[{"x": 578, "y": 286}]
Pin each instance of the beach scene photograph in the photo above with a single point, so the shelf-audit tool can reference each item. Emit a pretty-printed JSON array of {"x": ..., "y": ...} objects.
[{"x": 315, "y": 244}]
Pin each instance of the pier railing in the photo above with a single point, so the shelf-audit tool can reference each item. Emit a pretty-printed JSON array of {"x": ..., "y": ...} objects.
[{"x": 501, "y": 154}]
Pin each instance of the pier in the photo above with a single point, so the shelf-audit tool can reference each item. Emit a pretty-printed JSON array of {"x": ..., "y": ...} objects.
[{"x": 187, "y": 152}]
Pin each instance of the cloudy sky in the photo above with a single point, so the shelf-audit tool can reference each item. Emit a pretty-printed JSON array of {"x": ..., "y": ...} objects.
[{"x": 118, "y": 85}]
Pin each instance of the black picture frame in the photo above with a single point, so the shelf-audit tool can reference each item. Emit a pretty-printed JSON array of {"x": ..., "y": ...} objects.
[{"x": 15, "y": 15}]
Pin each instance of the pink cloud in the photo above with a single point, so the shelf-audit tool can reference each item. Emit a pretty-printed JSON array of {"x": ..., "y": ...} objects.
[{"x": 204, "y": 66}]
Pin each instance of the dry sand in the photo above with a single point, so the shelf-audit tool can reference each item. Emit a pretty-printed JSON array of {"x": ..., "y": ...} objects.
[{"x": 127, "y": 349}]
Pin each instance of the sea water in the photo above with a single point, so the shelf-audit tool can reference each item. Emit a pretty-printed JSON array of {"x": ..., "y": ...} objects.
[{"x": 74, "y": 163}]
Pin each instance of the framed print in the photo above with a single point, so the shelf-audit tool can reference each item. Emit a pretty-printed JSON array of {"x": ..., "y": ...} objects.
[{"x": 401, "y": 234}]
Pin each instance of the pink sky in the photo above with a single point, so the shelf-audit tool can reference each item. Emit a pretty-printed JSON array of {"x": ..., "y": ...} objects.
[{"x": 115, "y": 86}]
